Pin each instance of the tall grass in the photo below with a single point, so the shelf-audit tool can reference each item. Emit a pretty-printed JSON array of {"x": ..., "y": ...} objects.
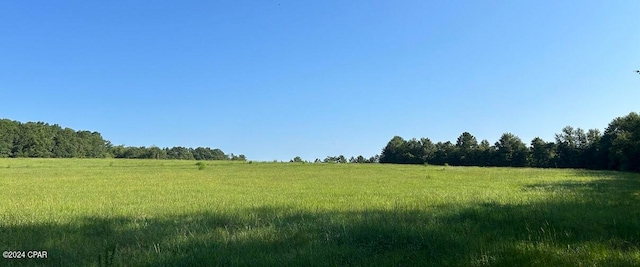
[{"x": 91, "y": 212}]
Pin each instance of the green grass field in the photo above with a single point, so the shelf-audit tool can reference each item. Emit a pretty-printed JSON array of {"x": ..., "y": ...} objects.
[{"x": 110, "y": 212}]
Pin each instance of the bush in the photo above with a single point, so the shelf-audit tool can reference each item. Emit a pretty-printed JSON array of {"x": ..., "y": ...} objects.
[{"x": 200, "y": 165}]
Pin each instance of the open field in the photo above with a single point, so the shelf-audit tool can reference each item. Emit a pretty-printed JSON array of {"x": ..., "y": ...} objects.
[{"x": 101, "y": 212}]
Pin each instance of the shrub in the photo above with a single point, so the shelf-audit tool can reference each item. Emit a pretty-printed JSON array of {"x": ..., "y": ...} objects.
[{"x": 200, "y": 165}]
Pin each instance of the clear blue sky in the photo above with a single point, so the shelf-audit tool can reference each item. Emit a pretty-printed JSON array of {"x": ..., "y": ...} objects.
[{"x": 276, "y": 79}]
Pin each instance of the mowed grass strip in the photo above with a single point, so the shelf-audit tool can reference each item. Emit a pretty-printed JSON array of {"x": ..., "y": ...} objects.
[{"x": 101, "y": 212}]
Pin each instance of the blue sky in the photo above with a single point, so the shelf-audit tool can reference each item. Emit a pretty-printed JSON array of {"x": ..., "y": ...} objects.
[{"x": 277, "y": 79}]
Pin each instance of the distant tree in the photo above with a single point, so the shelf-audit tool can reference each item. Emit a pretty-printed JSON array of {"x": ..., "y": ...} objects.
[
  {"x": 9, "y": 133},
  {"x": 202, "y": 153},
  {"x": 412, "y": 152},
  {"x": 511, "y": 151},
  {"x": 466, "y": 147},
  {"x": 330, "y": 159},
  {"x": 337, "y": 159},
  {"x": 218, "y": 154},
  {"x": 618, "y": 149},
  {"x": 394, "y": 150},
  {"x": 179, "y": 153},
  {"x": 66, "y": 143},
  {"x": 35, "y": 140},
  {"x": 155, "y": 152},
  {"x": 230, "y": 157},
  {"x": 593, "y": 156},
  {"x": 622, "y": 140},
  {"x": 444, "y": 153},
  {"x": 39, "y": 139},
  {"x": 97, "y": 146},
  {"x": 485, "y": 154},
  {"x": 140, "y": 152},
  {"x": 542, "y": 153},
  {"x": 118, "y": 151},
  {"x": 570, "y": 145},
  {"x": 428, "y": 150},
  {"x": 297, "y": 159},
  {"x": 84, "y": 143}
]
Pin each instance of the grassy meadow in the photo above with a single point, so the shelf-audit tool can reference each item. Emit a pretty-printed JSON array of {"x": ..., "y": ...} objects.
[{"x": 112, "y": 212}]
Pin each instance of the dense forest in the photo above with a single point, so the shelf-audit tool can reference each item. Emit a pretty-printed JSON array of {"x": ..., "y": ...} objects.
[
  {"x": 617, "y": 149},
  {"x": 41, "y": 140}
]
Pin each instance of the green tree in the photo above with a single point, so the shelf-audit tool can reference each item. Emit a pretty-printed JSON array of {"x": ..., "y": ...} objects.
[
  {"x": 9, "y": 132},
  {"x": 39, "y": 139},
  {"x": 542, "y": 153},
  {"x": 511, "y": 151},
  {"x": 412, "y": 152},
  {"x": 133, "y": 152},
  {"x": 444, "y": 153},
  {"x": 330, "y": 159},
  {"x": 466, "y": 147},
  {"x": 96, "y": 146},
  {"x": 570, "y": 146},
  {"x": 593, "y": 156},
  {"x": 485, "y": 154},
  {"x": 179, "y": 152},
  {"x": 218, "y": 154},
  {"x": 35, "y": 140},
  {"x": 622, "y": 140},
  {"x": 118, "y": 151},
  {"x": 202, "y": 153},
  {"x": 155, "y": 152},
  {"x": 393, "y": 151},
  {"x": 66, "y": 143}
]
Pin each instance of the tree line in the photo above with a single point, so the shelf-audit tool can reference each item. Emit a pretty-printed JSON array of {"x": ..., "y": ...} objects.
[
  {"x": 41, "y": 140},
  {"x": 178, "y": 152},
  {"x": 341, "y": 159},
  {"x": 618, "y": 148}
]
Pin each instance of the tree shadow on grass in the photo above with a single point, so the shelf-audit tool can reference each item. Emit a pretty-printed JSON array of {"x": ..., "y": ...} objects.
[
  {"x": 266, "y": 236},
  {"x": 596, "y": 222}
]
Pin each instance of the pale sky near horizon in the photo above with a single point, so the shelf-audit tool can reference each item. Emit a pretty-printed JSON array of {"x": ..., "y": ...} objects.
[{"x": 279, "y": 79}]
